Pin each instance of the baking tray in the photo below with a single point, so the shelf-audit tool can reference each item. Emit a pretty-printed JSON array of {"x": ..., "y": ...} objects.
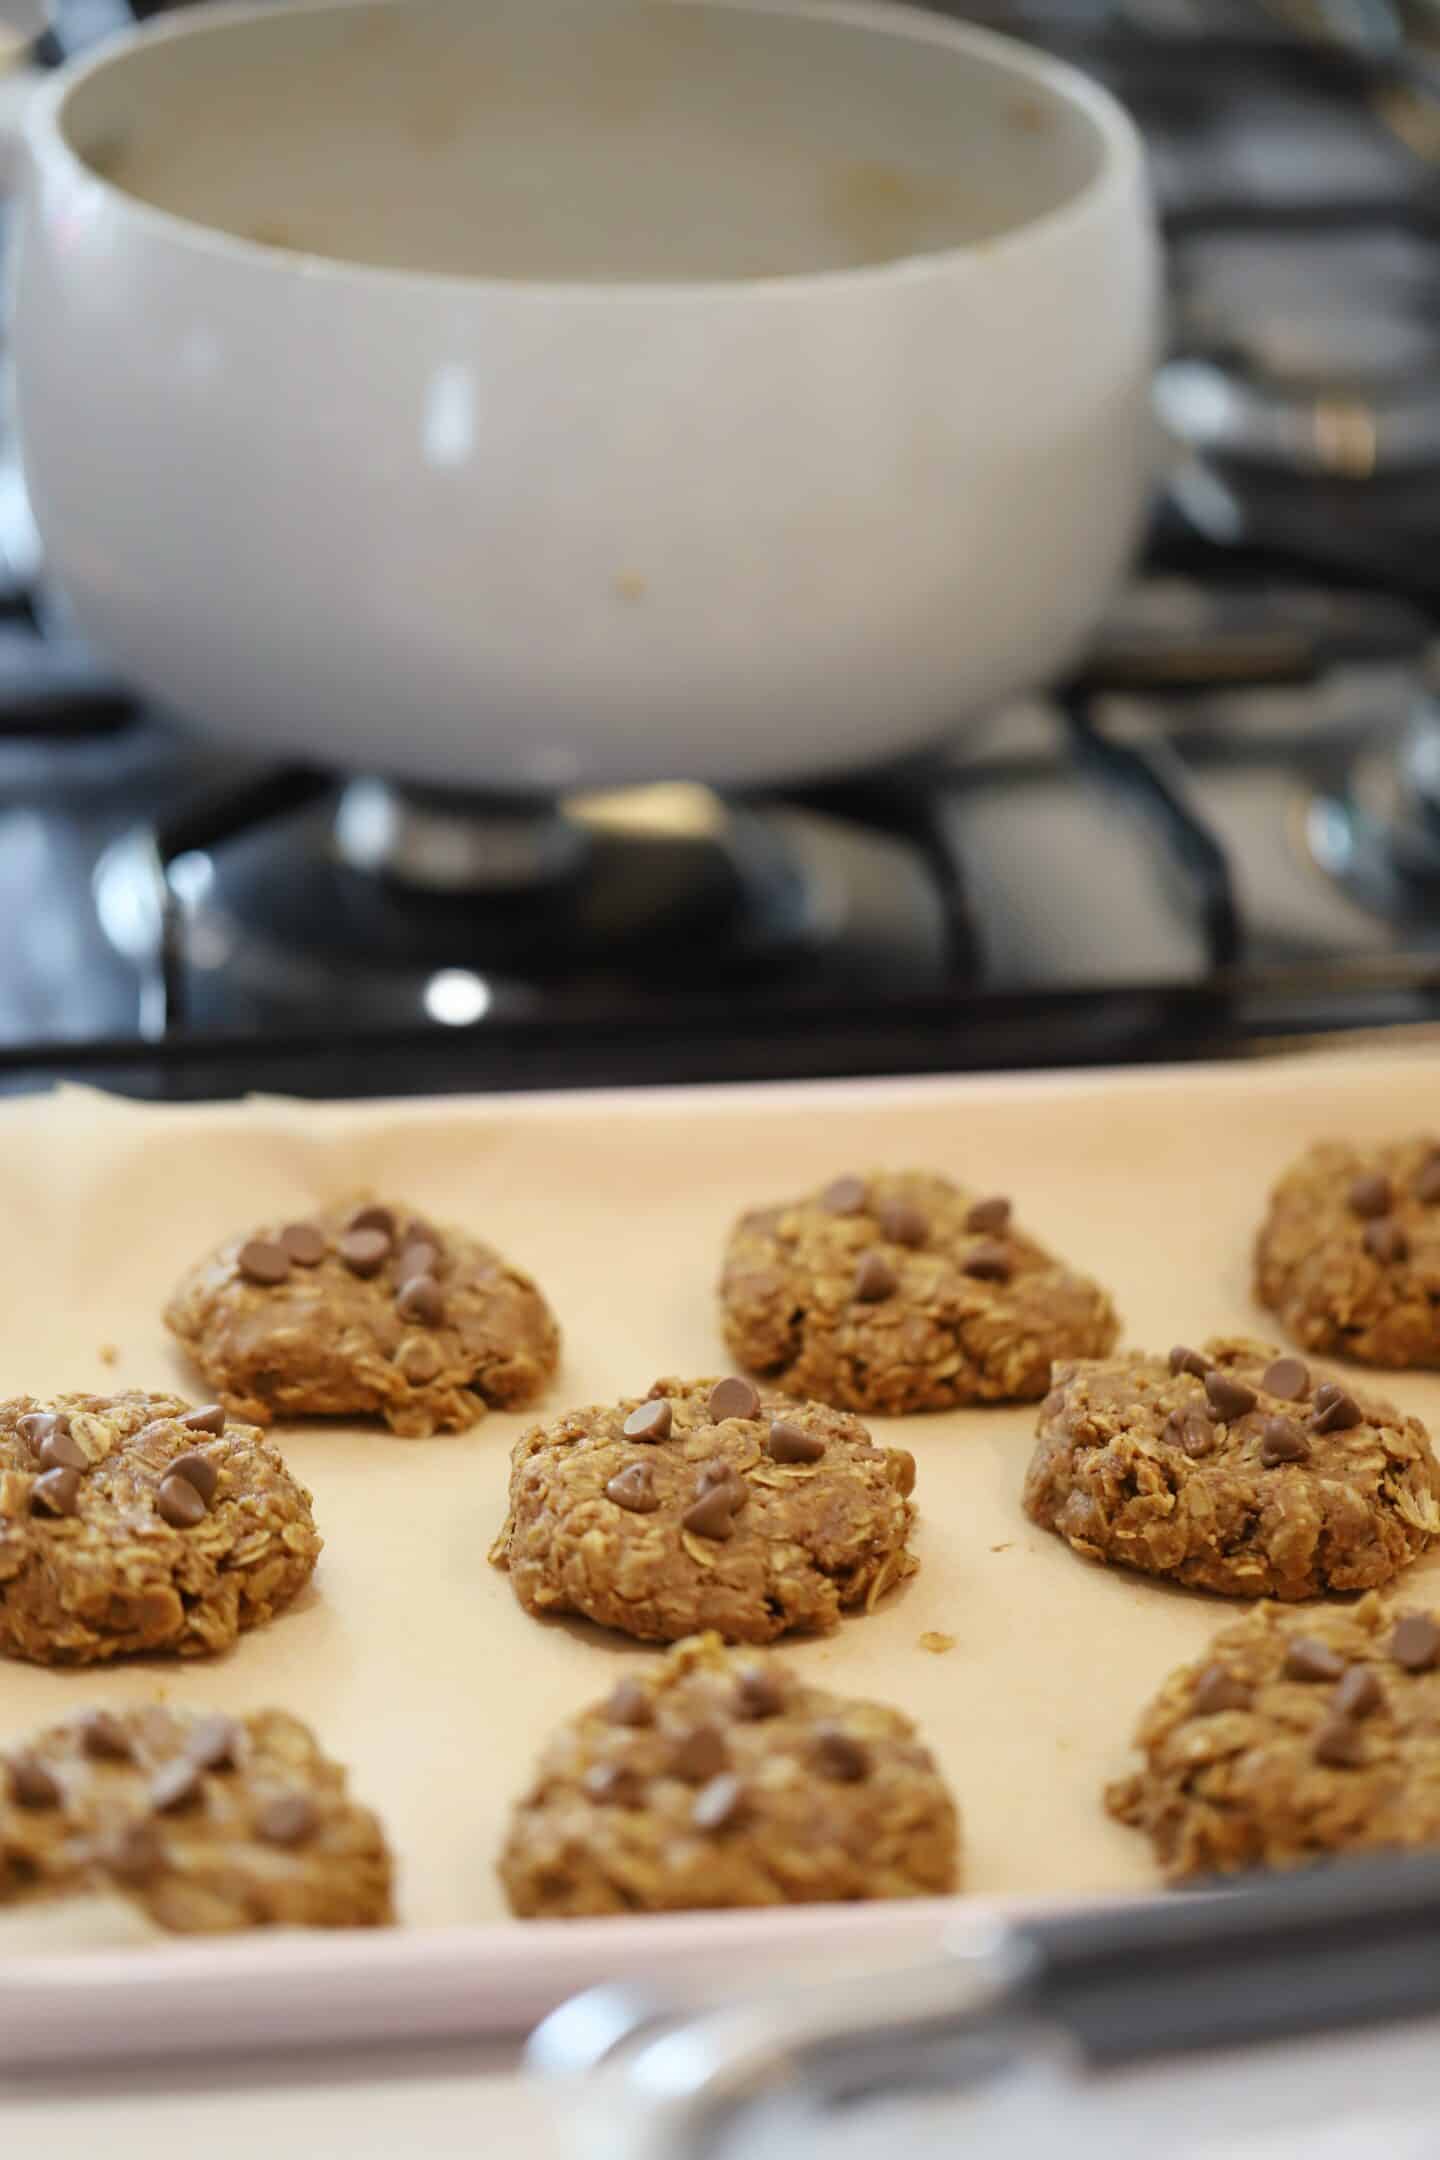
[{"x": 409, "y": 1653}]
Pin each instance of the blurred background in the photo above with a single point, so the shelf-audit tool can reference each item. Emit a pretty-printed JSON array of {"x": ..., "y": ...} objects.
[{"x": 1221, "y": 832}]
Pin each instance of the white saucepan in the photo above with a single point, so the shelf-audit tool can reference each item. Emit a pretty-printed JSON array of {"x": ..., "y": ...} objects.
[{"x": 534, "y": 393}]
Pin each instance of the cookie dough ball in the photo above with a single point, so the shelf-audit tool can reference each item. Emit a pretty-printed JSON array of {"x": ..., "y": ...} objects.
[
  {"x": 132, "y": 1522},
  {"x": 705, "y": 1505},
  {"x": 210, "y": 1823},
  {"x": 1295, "y": 1736},
  {"x": 899, "y": 1291},
  {"x": 361, "y": 1311},
  {"x": 710, "y": 1779},
  {"x": 1235, "y": 1469},
  {"x": 1349, "y": 1252}
]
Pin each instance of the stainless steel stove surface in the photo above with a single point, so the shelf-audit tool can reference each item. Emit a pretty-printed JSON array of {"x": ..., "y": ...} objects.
[{"x": 1225, "y": 829}]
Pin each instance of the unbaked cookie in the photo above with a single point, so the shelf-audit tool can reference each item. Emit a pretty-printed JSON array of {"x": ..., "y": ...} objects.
[
  {"x": 365, "y": 1310},
  {"x": 210, "y": 1823},
  {"x": 1296, "y": 1735},
  {"x": 710, "y": 1779},
  {"x": 705, "y": 1505},
  {"x": 132, "y": 1522},
  {"x": 898, "y": 1291},
  {"x": 1349, "y": 1252},
  {"x": 1234, "y": 1469}
]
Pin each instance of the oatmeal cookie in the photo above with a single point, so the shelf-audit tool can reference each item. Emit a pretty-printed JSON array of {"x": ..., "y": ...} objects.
[
  {"x": 1296, "y": 1735},
  {"x": 1349, "y": 1252},
  {"x": 365, "y": 1310},
  {"x": 711, "y": 1780},
  {"x": 132, "y": 1522},
  {"x": 210, "y": 1823},
  {"x": 898, "y": 1291},
  {"x": 705, "y": 1505},
  {"x": 1234, "y": 1469}
]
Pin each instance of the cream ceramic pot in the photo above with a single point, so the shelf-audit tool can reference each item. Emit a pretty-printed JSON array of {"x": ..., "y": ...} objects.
[{"x": 529, "y": 394}]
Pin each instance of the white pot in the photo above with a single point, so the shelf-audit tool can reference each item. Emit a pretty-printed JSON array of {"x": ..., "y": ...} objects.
[{"x": 528, "y": 393}]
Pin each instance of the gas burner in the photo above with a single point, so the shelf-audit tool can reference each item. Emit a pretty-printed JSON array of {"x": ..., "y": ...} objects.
[
  {"x": 1379, "y": 831},
  {"x": 292, "y": 901}
]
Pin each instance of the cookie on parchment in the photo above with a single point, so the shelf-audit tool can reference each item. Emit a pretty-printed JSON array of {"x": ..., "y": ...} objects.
[
  {"x": 711, "y": 1779},
  {"x": 132, "y": 1522},
  {"x": 705, "y": 1505},
  {"x": 898, "y": 1291},
  {"x": 1349, "y": 1252},
  {"x": 1295, "y": 1736},
  {"x": 209, "y": 1823},
  {"x": 365, "y": 1311},
  {"x": 1235, "y": 1469}
]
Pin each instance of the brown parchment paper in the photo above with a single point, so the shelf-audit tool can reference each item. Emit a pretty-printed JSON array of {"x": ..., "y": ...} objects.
[{"x": 410, "y": 1655}]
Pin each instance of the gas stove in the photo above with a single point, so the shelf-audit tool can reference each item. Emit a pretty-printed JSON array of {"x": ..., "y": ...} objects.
[{"x": 1224, "y": 831}]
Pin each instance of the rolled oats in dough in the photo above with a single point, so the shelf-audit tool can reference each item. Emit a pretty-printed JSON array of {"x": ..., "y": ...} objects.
[
  {"x": 132, "y": 1522},
  {"x": 898, "y": 1291},
  {"x": 705, "y": 1505},
  {"x": 1235, "y": 1469},
  {"x": 1349, "y": 1252},
  {"x": 365, "y": 1310},
  {"x": 713, "y": 1779},
  {"x": 209, "y": 1823}
]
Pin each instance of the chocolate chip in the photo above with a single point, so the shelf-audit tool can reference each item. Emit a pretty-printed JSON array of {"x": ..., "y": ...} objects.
[
  {"x": 1190, "y": 1430},
  {"x": 374, "y": 1218},
  {"x": 137, "y": 1855},
  {"x": 1415, "y": 1644},
  {"x": 874, "y": 1279},
  {"x": 209, "y": 1418},
  {"x": 719, "y": 1472},
  {"x": 1217, "y": 1690},
  {"x": 652, "y": 1421},
  {"x": 32, "y": 1785},
  {"x": 733, "y": 1398},
  {"x": 1427, "y": 1180},
  {"x": 846, "y": 1196},
  {"x": 364, "y": 1252},
  {"x": 902, "y": 1223},
  {"x": 699, "y": 1755},
  {"x": 418, "y": 1256},
  {"x": 1307, "y": 1658},
  {"x": 35, "y": 1428},
  {"x": 60, "y": 1450},
  {"x": 1359, "y": 1694},
  {"x": 1229, "y": 1398},
  {"x": 902, "y": 1470},
  {"x": 1334, "y": 1411},
  {"x": 758, "y": 1693},
  {"x": 989, "y": 1263},
  {"x": 633, "y": 1489},
  {"x": 839, "y": 1755},
  {"x": 1183, "y": 1360},
  {"x": 1281, "y": 1441},
  {"x": 289, "y": 1819},
  {"x": 58, "y": 1492},
  {"x": 421, "y": 1299},
  {"x": 712, "y": 1515},
  {"x": 791, "y": 1443},
  {"x": 261, "y": 1262},
  {"x": 1386, "y": 1242},
  {"x": 1339, "y": 1744},
  {"x": 990, "y": 1216},
  {"x": 718, "y": 1804},
  {"x": 197, "y": 1470},
  {"x": 1370, "y": 1196},
  {"x": 1288, "y": 1377},
  {"x": 175, "y": 1786},
  {"x": 105, "y": 1739},
  {"x": 613, "y": 1785},
  {"x": 306, "y": 1244},
  {"x": 629, "y": 1704},
  {"x": 215, "y": 1743},
  {"x": 179, "y": 1504}
]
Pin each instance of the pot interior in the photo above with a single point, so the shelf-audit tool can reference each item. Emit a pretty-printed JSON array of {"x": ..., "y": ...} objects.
[{"x": 582, "y": 140}]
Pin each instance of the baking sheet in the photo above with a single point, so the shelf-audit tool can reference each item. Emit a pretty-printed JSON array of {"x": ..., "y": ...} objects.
[{"x": 409, "y": 1653}]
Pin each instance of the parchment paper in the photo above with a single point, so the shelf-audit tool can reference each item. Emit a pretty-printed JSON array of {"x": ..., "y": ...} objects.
[{"x": 410, "y": 1655}]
